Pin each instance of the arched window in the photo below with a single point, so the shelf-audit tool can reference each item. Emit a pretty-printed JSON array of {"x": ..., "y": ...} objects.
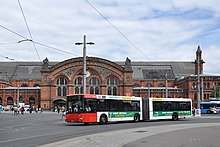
[
  {"x": 204, "y": 85},
  {"x": 114, "y": 91},
  {"x": 21, "y": 99},
  {"x": 204, "y": 96},
  {"x": 78, "y": 90},
  {"x": 136, "y": 85},
  {"x": 64, "y": 91},
  {"x": 36, "y": 85},
  {"x": 92, "y": 90},
  {"x": 59, "y": 93},
  {"x": 94, "y": 85},
  {"x": 61, "y": 81},
  {"x": 78, "y": 81},
  {"x": 148, "y": 85},
  {"x": 78, "y": 85},
  {"x": 10, "y": 101},
  {"x": 94, "y": 81},
  {"x": 112, "y": 81},
  {"x": 109, "y": 91},
  {"x": 97, "y": 90},
  {"x": 62, "y": 86},
  {"x": 31, "y": 100},
  {"x": 24, "y": 85},
  {"x": 194, "y": 86},
  {"x": 112, "y": 86},
  {"x": 161, "y": 85},
  {"x": 208, "y": 85}
]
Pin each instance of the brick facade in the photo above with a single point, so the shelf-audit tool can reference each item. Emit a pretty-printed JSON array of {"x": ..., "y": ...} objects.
[
  {"x": 49, "y": 83},
  {"x": 70, "y": 70}
]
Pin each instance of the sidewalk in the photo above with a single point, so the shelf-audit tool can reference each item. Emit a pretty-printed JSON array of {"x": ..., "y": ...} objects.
[
  {"x": 33, "y": 112},
  {"x": 123, "y": 137}
]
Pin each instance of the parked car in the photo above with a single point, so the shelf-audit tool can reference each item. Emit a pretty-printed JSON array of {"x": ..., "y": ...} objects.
[{"x": 6, "y": 108}]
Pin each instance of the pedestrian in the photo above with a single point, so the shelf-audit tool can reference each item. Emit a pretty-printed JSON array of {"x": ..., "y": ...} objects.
[
  {"x": 36, "y": 109},
  {"x": 63, "y": 114},
  {"x": 30, "y": 109},
  {"x": 58, "y": 109},
  {"x": 194, "y": 111},
  {"x": 15, "y": 110},
  {"x": 22, "y": 110}
]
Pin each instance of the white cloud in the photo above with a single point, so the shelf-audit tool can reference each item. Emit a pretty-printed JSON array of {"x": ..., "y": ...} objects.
[{"x": 162, "y": 30}]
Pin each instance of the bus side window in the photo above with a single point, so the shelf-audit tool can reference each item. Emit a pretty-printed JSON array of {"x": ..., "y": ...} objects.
[
  {"x": 157, "y": 106},
  {"x": 112, "y": 105},
  {"x": 135, "y": 106},
  {"x": 100, "y": 105}
]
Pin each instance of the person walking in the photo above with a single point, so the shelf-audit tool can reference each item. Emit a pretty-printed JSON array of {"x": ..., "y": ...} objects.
[
  {"x": 15, "y": 110},
  {"x": 22, "y": 110},
  {"x": 58, "y": 109},
  {"x": 63, "y": 114}
]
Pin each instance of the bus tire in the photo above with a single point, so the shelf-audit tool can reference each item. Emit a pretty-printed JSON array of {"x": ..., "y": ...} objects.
[
  {"x": 103, "y": 119},
  {"x": 175, "y": 116},
  {"x": 136, "y": 117},
  {"x": 209, "y": 112}
]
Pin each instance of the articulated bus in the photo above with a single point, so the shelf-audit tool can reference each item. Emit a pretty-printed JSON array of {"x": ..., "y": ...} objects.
[{"x": 91, "y": 108}]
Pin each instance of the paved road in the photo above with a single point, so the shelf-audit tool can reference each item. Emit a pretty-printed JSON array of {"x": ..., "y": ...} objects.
[
  {"x": 43, "y": 128},
  {"x": 178, "y": 135},
  {"x": 201, "y": 135}
]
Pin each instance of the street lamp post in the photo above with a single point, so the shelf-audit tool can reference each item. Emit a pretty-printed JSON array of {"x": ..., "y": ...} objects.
[
  {"x": 84, "y": 60},
  {"x": 18, "y": 95},
  {"x": 148, "y": 90},
  {"x": 166, "y": 86},
  {"x": 25, "y": 40},
  {"x": 198, "y": 84}
]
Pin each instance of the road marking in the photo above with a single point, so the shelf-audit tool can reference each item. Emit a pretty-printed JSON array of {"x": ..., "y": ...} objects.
[{"x": 16, "y": 139}]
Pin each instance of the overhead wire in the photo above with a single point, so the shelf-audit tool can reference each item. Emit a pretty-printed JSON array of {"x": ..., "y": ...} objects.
[
  {"x": 6, "y": 43},
  {"x": 29, "y": 30},
  {"x": 117, "y": 29},
  {"x": 12, "y": 32},
  {"x": 25, "y": 38},
  {"x": 54, "y": 48},
  {"x": 3, "y": 56},
  {"x": 122, "y": 33}
]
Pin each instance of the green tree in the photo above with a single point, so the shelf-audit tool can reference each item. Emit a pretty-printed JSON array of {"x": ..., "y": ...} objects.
[{"x": 215, "y": 92}]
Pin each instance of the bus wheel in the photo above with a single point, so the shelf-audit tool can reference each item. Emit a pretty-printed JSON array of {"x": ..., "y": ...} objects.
[
  {"x": 103, "y": 119},
  {"x": 209, "y": 112},
  {"x": 175, "y": 116},
  {"x": 136, "y": 118}
]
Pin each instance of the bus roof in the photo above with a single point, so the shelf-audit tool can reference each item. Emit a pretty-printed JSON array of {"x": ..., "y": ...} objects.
[
  {"x": 210, "y": 102},
  {"x": 170, "y": 99},
  {"x": 106, "y": 96},
  {"x": 85, "y": 95},
  {"x": 118, "y": 97}
]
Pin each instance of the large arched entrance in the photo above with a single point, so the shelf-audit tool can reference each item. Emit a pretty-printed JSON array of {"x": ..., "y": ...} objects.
[
  {"x": 0, "y": 101},
  {"x": 31, "y": 101},
  {"x": 10, "y": 101},
  {"x": 103, "y": 77},
  {"x": 59, "y": 104}
]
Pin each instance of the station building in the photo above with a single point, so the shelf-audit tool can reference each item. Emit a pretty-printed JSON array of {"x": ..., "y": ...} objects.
[{"x": 46, "y": 84}]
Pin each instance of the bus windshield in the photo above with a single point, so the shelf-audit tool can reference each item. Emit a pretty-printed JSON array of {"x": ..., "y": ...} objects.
[
  {"x": 74, "y": 104},
  {"x": 78, "y": 104}
]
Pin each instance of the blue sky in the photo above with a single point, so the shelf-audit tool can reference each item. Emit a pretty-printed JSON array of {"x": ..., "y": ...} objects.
[{"x": 162, "y": 30}]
